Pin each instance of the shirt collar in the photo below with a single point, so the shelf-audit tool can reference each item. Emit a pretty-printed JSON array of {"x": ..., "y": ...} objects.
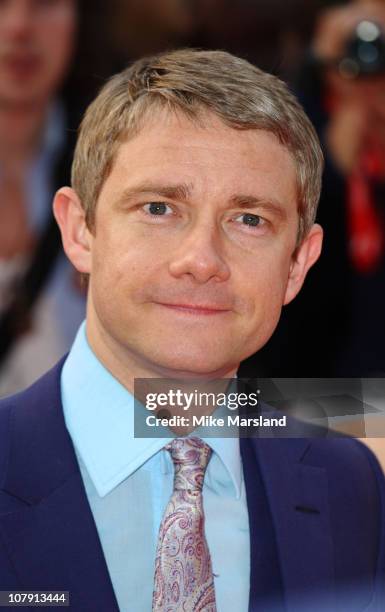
[{"x": 99, "y": 415}]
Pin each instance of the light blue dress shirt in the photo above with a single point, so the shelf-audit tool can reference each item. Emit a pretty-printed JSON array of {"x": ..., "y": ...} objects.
[{"x": 129, "y": 481}]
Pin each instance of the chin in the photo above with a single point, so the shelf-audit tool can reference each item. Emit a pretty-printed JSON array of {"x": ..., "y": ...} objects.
[{"x": 194, "y": 365}]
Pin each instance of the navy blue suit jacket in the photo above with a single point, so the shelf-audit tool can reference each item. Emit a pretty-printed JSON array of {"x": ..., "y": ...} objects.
[{"x": 325, "y": 498}]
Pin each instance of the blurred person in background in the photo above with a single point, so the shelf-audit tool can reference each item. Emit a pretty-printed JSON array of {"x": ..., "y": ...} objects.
[
  {"x": 343, "y": 90},
  {"x": 41, "y": 303}
]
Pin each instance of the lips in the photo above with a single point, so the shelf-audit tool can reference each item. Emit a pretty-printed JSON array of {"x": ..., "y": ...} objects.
[
  {"x": 21, "y": 65},
  {"x": 203, "y": 309}
]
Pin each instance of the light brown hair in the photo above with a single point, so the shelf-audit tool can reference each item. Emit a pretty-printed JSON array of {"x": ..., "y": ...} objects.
[{"x": 192, "y": 81}]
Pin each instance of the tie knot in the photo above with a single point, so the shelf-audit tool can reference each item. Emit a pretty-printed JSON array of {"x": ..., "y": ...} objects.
[{"x": 190, "y": 457}]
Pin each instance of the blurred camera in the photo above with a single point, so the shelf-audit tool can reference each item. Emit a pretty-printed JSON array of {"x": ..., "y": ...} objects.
[{"x": 364, "y": 52}]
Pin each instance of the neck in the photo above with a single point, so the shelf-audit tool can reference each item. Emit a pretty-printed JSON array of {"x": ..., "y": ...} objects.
[
  {"x": 21, "y": 130},
  {"x": 126, "y": 367}
]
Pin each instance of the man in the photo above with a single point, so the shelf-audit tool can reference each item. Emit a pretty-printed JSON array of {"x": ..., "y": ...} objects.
[{"x": 195, "y": 183}]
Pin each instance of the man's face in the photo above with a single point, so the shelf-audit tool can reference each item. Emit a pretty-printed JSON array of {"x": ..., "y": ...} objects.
[
  {"x": 36, "y": 43},
  {"x": 190, "y": 258}
]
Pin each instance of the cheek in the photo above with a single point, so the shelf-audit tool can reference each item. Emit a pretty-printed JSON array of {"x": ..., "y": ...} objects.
[
  {"x": 266, "y": 277},
  {"x": 57, "y": 45},
  {"x": 119, "y": 266},
  {"x": 265, "y": 287},
  {"x": 267, "y": 301}
]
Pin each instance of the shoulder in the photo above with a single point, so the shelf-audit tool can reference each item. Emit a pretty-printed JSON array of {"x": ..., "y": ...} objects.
[
  {"x": 19, "y": 413},
  {"x": 356, "y": 494},
  {"x": 36, "y": 451},
  {"x": 347, "y": 461},
  {"x": 344, "y": 458},
  {"x": 44, "y": 387},
  {"x": 355, "y": 480}
]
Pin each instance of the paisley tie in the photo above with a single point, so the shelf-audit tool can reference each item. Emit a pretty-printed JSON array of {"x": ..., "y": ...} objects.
[{"x": 183, "y": 573}]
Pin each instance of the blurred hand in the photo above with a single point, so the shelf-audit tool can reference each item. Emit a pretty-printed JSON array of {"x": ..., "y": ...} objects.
[
  {"x": 357, "y": 113},
  {"x": 336, "y": 25}
]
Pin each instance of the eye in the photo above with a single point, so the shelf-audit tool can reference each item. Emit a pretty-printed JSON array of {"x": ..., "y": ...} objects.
[
  {"x": 157, "y": 209},
  {"x": 250, "y": 219}
]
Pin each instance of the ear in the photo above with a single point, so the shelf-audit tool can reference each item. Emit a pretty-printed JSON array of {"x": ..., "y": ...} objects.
[
  {"x": 305, "y": 256},
  {"x": 76, "y": 236}
]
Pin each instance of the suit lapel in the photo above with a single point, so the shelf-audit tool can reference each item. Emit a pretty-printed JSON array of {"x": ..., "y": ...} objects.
[
  {"x": 297, "y": 495},
  {"x": 51, "y": 536}
]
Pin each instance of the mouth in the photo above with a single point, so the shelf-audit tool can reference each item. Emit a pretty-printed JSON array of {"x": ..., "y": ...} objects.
[
  {"x": 21, "y": 65},
  {"x": 196, "y": 309}
]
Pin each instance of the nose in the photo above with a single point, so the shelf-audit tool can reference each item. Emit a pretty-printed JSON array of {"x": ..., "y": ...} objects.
[
  {"x": 199, "y": 256},
  {"x": 18, "y": 17}
]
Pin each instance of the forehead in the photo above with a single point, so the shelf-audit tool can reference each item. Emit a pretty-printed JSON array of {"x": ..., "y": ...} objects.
[{"x": 208, "y": 155}]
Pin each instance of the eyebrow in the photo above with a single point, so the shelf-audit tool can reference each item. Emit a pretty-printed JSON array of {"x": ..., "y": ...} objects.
[
  {"x": 182, "y": 191},
  {"x": 267, "y": 204}
]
